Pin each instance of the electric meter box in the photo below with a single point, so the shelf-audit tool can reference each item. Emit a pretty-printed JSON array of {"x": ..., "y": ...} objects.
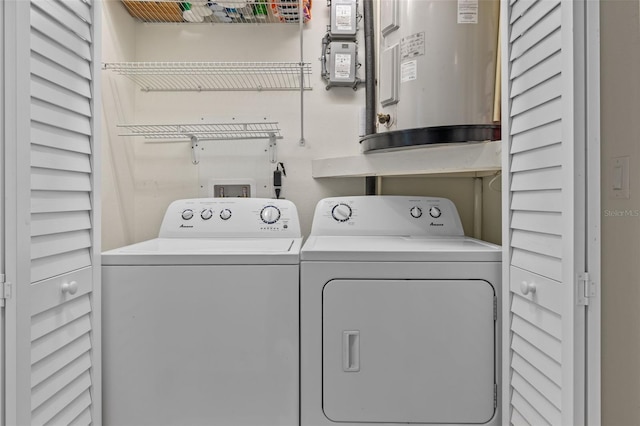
[
  {"x": 343, "y": 58},
  {"x": 344, "y": 19}
]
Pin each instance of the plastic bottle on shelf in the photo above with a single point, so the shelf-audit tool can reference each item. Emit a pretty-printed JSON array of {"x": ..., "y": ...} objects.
[
  {"x": 188, "y": 14},
  {"x": 200, "y": 9},
  {"x": 260, "y": 9},
  {"x": 219, "y": 12}
]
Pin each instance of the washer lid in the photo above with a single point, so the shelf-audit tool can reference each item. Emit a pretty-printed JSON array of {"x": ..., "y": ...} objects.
[
  {"x": 399, "y": 249},
  {"x": 207, "y": 251}
]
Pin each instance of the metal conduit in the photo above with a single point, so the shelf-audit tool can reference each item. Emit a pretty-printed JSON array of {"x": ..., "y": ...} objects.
[{"x": 370, "y": 83}]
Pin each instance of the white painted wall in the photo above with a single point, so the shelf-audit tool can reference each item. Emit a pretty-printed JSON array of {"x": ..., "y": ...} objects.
[
  {"x": 163, "y": 172},
  {"x": 117, "y": 104},
  {"x": 620, "y": 108},
  {"x": 141, "y": 179}
]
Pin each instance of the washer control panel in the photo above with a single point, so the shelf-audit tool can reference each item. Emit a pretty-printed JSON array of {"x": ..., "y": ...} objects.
[
  {"x": 230, "y": 217},
  {"x": 386, "y": 215}
]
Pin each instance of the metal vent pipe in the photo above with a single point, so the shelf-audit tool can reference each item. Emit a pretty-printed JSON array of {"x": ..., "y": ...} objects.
[{"x": 370, "y": 82}]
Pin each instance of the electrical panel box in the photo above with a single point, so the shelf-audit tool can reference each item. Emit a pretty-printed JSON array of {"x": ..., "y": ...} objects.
[
  {"x": 343, "y": 59},
  {"x": 344, "y": 19}
]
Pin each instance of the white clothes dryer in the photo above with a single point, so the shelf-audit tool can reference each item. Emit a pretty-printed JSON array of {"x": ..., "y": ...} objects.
[
  {"x": 399, "y": 318},
  {"x": 200, "y": 325}
]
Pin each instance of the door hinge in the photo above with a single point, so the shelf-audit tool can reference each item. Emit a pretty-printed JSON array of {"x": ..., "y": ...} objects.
[
  {"x": 586, "y": 289},
  {"x": 5, "y": 290}
]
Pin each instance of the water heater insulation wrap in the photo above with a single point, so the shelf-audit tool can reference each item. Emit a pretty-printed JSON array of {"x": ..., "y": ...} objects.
[{"x": 444, "y": 62}]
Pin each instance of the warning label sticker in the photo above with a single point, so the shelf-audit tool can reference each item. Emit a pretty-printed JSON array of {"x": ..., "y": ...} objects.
[
  {"x": 412, "y": 46},
  {"x": 467, "y": 11},
  {"x": 409, "y": 71},
  {"x": 343, "y": 18},
  {"x": 342, "y": 65}
]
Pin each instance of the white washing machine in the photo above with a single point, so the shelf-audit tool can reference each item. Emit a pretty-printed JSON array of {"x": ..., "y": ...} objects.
[
  {"x": 399, "y": 317},
  {"x": 200, "y": 325}
]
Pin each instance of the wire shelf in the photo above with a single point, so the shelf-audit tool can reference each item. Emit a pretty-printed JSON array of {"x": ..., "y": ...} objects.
[
  {"x": 203, "y": 132},
  {"x": 215, "y": 76},
  {"x": 210, "y": 131},
  {"x": 219, "y": 12}
]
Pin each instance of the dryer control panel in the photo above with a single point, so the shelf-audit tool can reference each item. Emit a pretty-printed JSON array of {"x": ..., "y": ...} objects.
[
  {"x": 386, "y": 215},
  {"x": 230, "y": 217}
]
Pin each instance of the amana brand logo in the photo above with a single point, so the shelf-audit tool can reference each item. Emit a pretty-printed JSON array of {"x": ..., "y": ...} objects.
[
  {"x": 186, "y": 226},
  {"x": 436, "y": 224}
]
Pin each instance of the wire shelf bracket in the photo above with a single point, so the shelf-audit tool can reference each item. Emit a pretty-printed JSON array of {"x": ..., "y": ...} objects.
[
  {"x": 215, "y": 76},
  {"x": 195, "y": 133}
]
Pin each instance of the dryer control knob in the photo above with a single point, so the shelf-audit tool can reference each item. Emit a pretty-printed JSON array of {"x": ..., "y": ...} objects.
[
  {"x": 270, "y": 214},
  {"x": 187, "y": 214},
  {"x": 341, "y": 212},
  {"x": 416, "y": 212},
  {"x": 435, "y": 212},
  {"x": 206, "y": 214},
  {"x": 225, "y": 214}
]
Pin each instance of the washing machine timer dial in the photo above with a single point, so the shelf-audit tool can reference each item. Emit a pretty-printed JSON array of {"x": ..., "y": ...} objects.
[
  {"x": 416, "y": 212},
  {"x": 341, "y": 212},
  {"x": 435, "y": 212},
  {"x": 187, "y": 214},
  {"x": 270, "y": 214}
]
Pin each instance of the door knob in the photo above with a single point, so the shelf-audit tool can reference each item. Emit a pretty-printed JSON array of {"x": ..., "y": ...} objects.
[
  {"x": 527, "y": 288},
  {"x": 71, "y": 288}
]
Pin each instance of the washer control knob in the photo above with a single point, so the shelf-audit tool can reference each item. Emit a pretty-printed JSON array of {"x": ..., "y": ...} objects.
[
  {"x": 206, "y": 214},
  {"x": 435, "y": 212},
  {"x": 341, "y": 212},
  {"x": 416, "y": 212},
  {"x": 270, "y": 214},
  {"x": 187, "y": 214},
  {"x": 225, "y": 214}
]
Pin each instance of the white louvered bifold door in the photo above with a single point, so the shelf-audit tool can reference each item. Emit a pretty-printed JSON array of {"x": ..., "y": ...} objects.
[
  {"x": 58, "y": 285},
  {"x": 544, "y": 202}
]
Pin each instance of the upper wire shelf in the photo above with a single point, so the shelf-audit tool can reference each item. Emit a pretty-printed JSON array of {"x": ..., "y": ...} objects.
[
  {"x": 215, "y": 76},
  {"x": 219, "y": 12}
]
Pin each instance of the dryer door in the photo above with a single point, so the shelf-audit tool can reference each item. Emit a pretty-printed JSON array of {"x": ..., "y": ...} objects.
[{"x": 409, "y": 351}]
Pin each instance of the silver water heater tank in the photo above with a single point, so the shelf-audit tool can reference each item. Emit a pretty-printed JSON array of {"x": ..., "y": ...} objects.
[{"x": 436, "y": 73}]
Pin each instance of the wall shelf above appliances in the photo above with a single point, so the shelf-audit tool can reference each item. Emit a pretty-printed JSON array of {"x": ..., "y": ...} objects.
[
  {"x": 219, "y": 12},
  {"x": 452, "y": 158},
  {"x": 195, "y": 133},
  {"x": 215, "y": 76}
]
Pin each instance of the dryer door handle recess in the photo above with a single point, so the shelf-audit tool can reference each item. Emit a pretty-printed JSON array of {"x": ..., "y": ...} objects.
[{"x": 351, "y": 351}]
